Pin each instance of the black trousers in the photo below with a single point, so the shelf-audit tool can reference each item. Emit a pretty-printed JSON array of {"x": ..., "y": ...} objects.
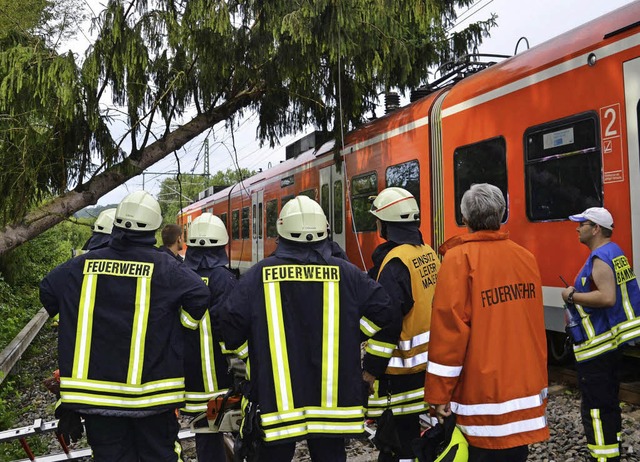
[
  {"x": 599, "y": 382},
  {"x": 517, "y": 454},
  {"x": 320, "y": 449},
  {"x": 408, "y": 429},
  {"x": 210, "y": 447},
  {"x": 407, "y": 425},
  {"x": 126, "y": 439}
]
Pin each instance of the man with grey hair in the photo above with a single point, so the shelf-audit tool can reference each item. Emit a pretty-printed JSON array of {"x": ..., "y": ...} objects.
[{"x": 487, "y": 351}]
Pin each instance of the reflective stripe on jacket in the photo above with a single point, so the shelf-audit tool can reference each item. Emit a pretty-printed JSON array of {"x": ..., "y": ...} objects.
[
  {"x": 302, "y": 321},
  {"x": 607, "y": 328},
  {"x": 410, "y": 353},
  {"x": 120, "y": 341},
  {"x": 488, "y": 352},
  {"x": 206, "y": 368}
]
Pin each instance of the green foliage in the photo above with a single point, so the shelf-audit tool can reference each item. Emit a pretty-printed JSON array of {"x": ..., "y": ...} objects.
[
  {"x": 20, "y": 16},
  {"x": 28, "y": 264},
  {"x": 176, "y": 193},
  {"x": 154, "y": 64}
]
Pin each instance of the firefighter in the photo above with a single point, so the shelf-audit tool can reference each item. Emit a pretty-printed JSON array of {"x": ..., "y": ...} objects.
[
  {"x": 407, "y": 268},
  {"x": 488, "y": 349},
  {"x": 300, "y": 313},
  {"x": 120, "y": 343},
  {"x": 101, "y": 231},
  {"x": 605, "y": 300},
  {"x": 172, "y": 241},
  {"x": 206, "y": 369}
]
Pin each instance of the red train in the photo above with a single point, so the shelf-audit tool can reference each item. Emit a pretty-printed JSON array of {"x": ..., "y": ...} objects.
[{"x": 555, "y": 127}]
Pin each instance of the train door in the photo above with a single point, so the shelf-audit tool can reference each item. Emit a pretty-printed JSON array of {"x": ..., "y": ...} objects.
[
  {"x": 332, "y": 201},
  {"x": 257, "y": 214},
  {"x": 632, "y": 103}
]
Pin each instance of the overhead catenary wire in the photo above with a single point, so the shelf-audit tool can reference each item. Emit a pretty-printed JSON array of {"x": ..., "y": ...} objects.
[{"x": 462, "y": 19}]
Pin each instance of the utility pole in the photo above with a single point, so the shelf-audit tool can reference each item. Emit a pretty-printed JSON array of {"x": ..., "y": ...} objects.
[{"x": 207, "y": 172}]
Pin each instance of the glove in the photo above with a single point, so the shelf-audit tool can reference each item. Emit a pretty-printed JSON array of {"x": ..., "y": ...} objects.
[
  {"x": 53, "y": 383},
  {"x": 69, "y": 424}
]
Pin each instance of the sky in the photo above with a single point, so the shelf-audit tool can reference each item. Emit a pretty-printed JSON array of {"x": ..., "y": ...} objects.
[{"x": 537, "y": 20}]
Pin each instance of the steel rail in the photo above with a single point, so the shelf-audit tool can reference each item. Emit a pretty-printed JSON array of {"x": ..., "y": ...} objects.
[{"x": 13, "y": 352}]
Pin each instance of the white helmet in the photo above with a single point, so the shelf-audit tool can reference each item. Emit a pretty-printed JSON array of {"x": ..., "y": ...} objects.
[
  {"x": 104, "y": 222},
  {"x": 395, "y": 204},
  {"x": 207, "y": 231},
  {"x": 139, "y": 211},
  {"x": 302, "y": 219}
]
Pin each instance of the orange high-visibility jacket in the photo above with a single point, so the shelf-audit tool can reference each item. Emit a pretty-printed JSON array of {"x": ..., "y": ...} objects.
[{"x": 488, "y": 353}]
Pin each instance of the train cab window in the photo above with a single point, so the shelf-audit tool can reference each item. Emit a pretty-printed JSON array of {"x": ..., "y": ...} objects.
[
  {"x": 563, "y": 167},
  {"x": 272, "y": 218},
  {"x": 338, "y": 200},
  {"x": 245, "y": 222},
  {"x": 407, "y": 176},
  {"x": 483, "y": 162},
  {"x": 362, "y": 187},
  {"x": 235, "y": 224}
]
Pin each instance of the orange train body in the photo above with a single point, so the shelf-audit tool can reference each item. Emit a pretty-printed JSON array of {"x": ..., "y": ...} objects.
[{"x": 556, "y": 127}]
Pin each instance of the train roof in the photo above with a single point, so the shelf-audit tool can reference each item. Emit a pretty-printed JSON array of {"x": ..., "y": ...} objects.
[
  {"x": 576, "y": 43},
  {"x": 281, "y": 168},
  {"x": 504, "y": 76}
]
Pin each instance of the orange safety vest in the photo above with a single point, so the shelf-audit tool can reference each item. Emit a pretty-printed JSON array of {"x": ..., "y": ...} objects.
[
  {"x": 488, "y": 353},
  {"x": 410, "y": 354}
]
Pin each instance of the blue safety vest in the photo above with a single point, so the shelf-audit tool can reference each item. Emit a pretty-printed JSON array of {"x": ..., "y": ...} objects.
[{"x": 604, "y": 329}]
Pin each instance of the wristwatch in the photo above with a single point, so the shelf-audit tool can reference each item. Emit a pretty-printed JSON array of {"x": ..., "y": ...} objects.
[{"x": 570, "y": 297}]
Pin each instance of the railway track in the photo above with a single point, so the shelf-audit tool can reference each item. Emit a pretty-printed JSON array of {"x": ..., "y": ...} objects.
[
  {"x": 560, "y": 379},
  {"x": 629, "y": 387}
]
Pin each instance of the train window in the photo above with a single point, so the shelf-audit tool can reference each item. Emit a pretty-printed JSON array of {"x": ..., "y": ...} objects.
[
  {"x": 310, "y": 193},
  {"x": 338, "y": 200},
  {"x": 407, "y": 176},
  {"x": 255, "y": 221},
  {"x": 287, "y": 181},
  {"x": 285, "y": 199},
  {"x": 245, "y": 222},
  {"x": 272, "y": 218},
  {"x": 483, "y": 162},
  {"x": 563, "y": 167},
  {"x": 324, "y": 199},
  {"x": 223, "y": 217},
  {"x": 235, "y": 224},
  {"x": 260, "y": 220},
  {"x": 362, "y": 187}
]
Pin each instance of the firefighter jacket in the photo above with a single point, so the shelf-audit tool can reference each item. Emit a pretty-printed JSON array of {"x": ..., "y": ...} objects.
[
  {"x": 604, "y": 329},
  {"x": 97, "y": 241},
  {"x": 167, "y": 250},
  {"x": 488, "y": 351},
  {"x": 206, "y": 368},
  {"x": 120, "y": 344},
  {"x": 408, "y": 272},
  {"x": 301, "y": 312}
]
